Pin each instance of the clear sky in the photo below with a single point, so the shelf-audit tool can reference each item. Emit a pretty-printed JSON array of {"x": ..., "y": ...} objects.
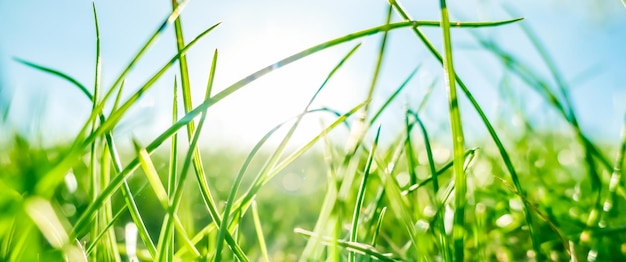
[{"x": 585, "y": 38}]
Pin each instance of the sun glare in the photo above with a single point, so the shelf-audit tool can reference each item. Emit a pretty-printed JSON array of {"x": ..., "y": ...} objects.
[{"x": 279, "y": 96}]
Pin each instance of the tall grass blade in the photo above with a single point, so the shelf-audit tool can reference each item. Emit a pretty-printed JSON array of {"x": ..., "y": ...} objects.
[
  {"x": 172, "y": 179},
  {"x": 394, "y": 95},
  {"x": 259, "y": 232},
  {"x": 223, "y": 228},
  {"x": 361, "y": 196},
  {"x": 458, "y": 231}
]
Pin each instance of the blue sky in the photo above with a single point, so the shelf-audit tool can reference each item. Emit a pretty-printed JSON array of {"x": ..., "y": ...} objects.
[{"x": 584, "y": 38}]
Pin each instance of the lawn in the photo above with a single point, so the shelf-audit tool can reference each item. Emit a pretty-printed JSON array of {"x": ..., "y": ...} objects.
[{"x": 422, "y": 191}]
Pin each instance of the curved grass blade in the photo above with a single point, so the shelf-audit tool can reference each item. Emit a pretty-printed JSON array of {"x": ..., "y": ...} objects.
[
  {"x": 110, "y": 245},
  {"x": 58, "y": 73},
  {"x": 223, "y": 228},
  {"x": 361, "y": 248},
  {"x": 379, "y": 222},
  {"x": 184, "y": 68},
  {"x": 361, "y": 196},
  {"x": 360, "y": 129},
  {"x": 410, "y": 153},
  {"x": 394, "y": 95}
]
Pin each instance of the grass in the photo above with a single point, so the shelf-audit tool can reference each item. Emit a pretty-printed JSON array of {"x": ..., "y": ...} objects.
[{"x": 533, "y": 196}]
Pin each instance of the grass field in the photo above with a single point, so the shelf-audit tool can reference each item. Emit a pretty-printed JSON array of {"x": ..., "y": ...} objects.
[{"x": 518, "y": 193}]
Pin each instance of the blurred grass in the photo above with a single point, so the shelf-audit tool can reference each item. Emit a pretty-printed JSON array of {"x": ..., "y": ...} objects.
[{"x": 522, "y": 195}]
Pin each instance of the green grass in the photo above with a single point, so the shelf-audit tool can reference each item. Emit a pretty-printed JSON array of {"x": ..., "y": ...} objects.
[{"x": 519, "y": 195}]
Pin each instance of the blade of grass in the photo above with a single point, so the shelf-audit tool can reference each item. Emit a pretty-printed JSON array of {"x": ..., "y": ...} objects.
[
  {"x": 223, "y": 227},
  {"x": 98, "y": 180},
  {"x": 361, "y": 248},
  {"x": 361, "y": 196},
  {"x": 411, "y": 160},
  {"x": 379, "y": 222},
  {"x": 360, "y": 126},
  {"x": 458, "y": 141},
  {"x": 45, "y": 217},
  {"x": 394, "y": 95},
  {"x": 172, "y": 181},
  {"x": 259, "y": 232},
  {"x": 184, "y": 68}
]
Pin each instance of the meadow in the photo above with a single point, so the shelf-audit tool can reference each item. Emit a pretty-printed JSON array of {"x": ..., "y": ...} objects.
[{"x": 519, "y": 193}]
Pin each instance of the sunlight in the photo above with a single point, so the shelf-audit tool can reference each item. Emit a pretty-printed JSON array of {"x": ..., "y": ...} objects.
[{"x": 282, "y": 94}]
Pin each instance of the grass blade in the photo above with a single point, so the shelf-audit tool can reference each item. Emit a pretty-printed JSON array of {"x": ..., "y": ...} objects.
[
  {"x": 394, "y": 95},
  {"x": 458, "y": 141},
  {"x": 361, "y": 196},
  {"x": 361, "y": 248},
  {"x": 259, "y": 232}
]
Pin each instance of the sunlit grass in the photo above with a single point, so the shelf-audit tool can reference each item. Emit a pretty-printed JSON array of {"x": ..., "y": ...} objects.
[{"x": 538, "y": 195}]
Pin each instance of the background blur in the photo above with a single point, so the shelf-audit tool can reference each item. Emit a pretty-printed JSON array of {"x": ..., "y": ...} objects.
[{"x": 585, "y": 38}]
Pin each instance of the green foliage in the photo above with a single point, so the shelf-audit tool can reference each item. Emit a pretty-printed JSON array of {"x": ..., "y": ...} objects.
[{"x": 528, "y": 195}]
